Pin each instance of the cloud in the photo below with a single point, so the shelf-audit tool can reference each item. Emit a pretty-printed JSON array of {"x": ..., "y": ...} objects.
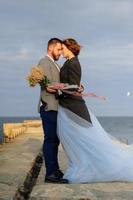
[
  {"x": 22, "y": 54},
  {"x": 112, "y": 55},
  {"x": 102, "y": 27}
]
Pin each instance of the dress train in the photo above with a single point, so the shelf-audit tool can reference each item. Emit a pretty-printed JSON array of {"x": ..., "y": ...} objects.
[{"x": 93, "y": 154}]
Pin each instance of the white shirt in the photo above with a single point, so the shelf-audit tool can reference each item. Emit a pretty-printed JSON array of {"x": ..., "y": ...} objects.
[{"x": 54, "y": 62}]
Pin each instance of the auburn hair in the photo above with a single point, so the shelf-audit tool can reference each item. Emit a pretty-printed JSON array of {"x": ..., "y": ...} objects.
[{"x": 72, "y": 45}]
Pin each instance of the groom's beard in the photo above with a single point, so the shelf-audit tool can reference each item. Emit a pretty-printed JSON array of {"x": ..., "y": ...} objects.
[{"x": 56, "y": 57}]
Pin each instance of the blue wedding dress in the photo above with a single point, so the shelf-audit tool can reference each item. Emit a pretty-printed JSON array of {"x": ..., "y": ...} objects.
[{"x": 93, "y": 154}]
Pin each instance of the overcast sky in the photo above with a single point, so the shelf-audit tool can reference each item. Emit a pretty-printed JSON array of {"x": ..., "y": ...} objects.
[{"x": 104, "y": 29}]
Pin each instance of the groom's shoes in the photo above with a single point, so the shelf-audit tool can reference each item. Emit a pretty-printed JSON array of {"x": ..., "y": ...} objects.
[
  {"x": 59, "y": 173},
  {"x": 56, "y": 177}
]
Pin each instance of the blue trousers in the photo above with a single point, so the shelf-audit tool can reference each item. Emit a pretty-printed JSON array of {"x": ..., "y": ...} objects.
[{"x": 51, "y": 141}]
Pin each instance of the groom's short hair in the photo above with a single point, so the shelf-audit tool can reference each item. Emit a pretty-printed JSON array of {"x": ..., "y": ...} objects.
[{"x": 53, "y": 41}]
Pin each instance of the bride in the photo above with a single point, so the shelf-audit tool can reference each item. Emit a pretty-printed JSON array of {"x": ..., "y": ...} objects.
[{"x": 93, "y": 155}]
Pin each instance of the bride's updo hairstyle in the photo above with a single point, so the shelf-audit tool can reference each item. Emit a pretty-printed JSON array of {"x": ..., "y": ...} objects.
[{"x": 72, "y": 45}]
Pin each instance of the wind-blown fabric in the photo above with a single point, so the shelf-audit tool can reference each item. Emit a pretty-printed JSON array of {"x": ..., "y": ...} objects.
[{"x": 93, "y": 155}]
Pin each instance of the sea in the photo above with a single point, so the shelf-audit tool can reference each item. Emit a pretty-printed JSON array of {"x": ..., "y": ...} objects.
[{"x": 119, "y": 127}]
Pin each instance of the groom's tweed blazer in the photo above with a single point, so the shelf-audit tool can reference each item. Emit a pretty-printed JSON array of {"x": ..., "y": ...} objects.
[{"x": 53, "y": 74}]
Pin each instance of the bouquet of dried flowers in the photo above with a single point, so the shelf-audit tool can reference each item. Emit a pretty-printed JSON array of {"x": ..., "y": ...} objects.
[{"x": 37, "y": 76}]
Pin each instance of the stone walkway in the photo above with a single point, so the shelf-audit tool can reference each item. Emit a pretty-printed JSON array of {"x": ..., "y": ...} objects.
[
  {"x": 93, "y": 191},
  {"x": 16, "y": 160}
]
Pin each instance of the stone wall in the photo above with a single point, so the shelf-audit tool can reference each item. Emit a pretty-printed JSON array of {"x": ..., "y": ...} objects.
[{"x": 12, "y": 130}]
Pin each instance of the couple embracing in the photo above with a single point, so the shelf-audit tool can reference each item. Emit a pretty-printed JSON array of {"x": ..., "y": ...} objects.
[{"x": 93, "y": 155}]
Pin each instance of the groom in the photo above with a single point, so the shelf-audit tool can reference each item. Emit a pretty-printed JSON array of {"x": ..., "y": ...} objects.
[{"x": 48, "y": 107}]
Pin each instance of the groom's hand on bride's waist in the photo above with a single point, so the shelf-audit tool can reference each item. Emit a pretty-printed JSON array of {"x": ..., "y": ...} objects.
[{"x": 80, "y": 89}]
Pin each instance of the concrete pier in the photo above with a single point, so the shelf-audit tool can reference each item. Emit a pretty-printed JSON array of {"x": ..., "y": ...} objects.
[{"x": 17, "y": 159}]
